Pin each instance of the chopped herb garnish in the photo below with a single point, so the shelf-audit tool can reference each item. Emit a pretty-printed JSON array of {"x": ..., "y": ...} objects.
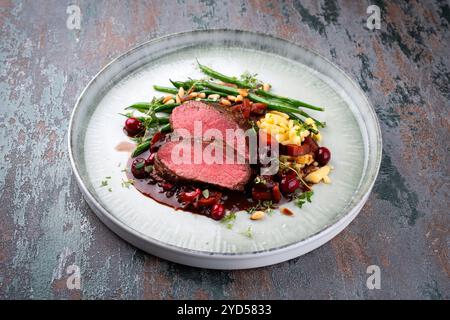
[
  {"x": 104, "y": 183},
  {"x": 109, "y": 189},
  {"x": 108, "y": 177},
  {"x": 250, "y": 79},
  {"x": 127, "y": 183},
  {"x": 266, "y": 206},
  {"x": 148, "y": 169},
  {"x": 286, "y": 167},
  {"x": 205, "y": 193},
  {"x": 248, "y": 233},
  {"x": 138, "y": 140},
  {"x": 229, "y": 219},
  {"x": 140, "y": 165},
  {"x": 304, "y": 197},
  {"x": 260, "y": 179}
]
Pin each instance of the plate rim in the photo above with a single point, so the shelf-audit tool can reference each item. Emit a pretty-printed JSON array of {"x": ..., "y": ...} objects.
[{"x": 176, "y": 253}]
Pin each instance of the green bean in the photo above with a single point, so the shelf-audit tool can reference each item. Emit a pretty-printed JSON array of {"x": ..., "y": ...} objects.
[
  {"x": 141, "y": 148},
  {"x": 165, "y": 89},
  {"x": 271, "y": 104},
  {"x": 145, "y": 106},
  {"x": 220, "y": 88},
  {"x": 294, "y": 102},
  {"x": 208, "y": 92},
  {"x": 295, "y": 117},
  {"x": 217, "y": 75},
  {"x": 139, "y": 106},
  {"x": 185, "y": 84},
  {"x": 165, "y": 128},
  {"x": 166, "y": 107},
  {"x": 144, "y": 146}
]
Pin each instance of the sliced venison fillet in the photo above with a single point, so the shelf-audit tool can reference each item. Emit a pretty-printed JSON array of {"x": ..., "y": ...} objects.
[
  {"x": 175, "y": 161},
  {"x": 212, "y": 118}
]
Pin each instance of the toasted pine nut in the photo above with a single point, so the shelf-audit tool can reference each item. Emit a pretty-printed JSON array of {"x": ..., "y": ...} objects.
[
  {"x": 181, "y": 92},
  {"x": 214, "y": 96},
  {"x": 239, "y": 98},
  {"x": 257, "y": 215},
  {"x": 169, "y": 101},
  {"x": 231, "y": 98},
  {"x": 243, "y": 92},
  {"x": 202, "y": 95},
  {"x": 167, "y": 98},
  {"x": 266, "y": 87},
  {"x": 177, "y": 99},
  {"x": 190, "y": 96},
  {"x": 225, "y": 102}
]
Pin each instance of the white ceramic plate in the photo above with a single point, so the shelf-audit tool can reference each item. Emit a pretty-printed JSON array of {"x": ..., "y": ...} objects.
[{"x": 352, "y": 134}]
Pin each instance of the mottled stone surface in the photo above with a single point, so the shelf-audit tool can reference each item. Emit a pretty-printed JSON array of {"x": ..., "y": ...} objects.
[{"x": 45, "y": 225}]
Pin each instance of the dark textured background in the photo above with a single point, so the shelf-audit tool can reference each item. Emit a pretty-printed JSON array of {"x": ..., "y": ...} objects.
[{"x": 46, "y": 225}]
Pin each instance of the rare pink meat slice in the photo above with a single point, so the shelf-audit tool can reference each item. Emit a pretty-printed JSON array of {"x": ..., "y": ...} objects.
[
  {"x": 200, "y": 119},
  {"x": 176, "y": 160}
]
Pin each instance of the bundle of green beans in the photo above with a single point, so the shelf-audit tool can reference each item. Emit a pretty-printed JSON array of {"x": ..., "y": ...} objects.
[
  {"x": 273, "y": 101},
  {"x": 255, "y": 93}
]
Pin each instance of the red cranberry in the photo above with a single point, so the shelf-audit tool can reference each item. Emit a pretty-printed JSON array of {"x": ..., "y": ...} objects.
[
  {"x": 154, "y": 145},
  {"x": 138, "y": 168},
  {"x": 218, "y": 211},
  {"x": 213, "y": 198},
  {"x": 276, "y": 194},
  {"x": 323, "y": 155},
  {"x": 167, "y": 186},
  {"x": 151, "y": 159},
  {"x": 133, "y": 127},
  {"x": 188, "y": 197},
  {"x": 289, "y": 184}
]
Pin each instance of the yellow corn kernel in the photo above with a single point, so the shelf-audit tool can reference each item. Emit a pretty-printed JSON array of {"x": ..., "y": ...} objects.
[{"x": 317, "y": 136}]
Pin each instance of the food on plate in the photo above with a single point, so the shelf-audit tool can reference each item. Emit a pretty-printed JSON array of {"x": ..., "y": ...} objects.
[
  {"x": 216, "y": 147},
  {"x": 232, "y": 176}
]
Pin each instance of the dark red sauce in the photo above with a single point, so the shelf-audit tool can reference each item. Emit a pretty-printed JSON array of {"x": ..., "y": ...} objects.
[{"x": 156, "y": 188}]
